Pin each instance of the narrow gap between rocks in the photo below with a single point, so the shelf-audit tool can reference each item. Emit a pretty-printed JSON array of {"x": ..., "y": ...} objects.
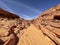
[{"x": 12, "y": 31}]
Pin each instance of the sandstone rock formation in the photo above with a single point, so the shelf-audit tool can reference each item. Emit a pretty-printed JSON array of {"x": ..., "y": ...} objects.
[
  {"x": 10, "y": 26},
  {"x": 49, "y": 23},
  {"x": 44, "y": 30}
]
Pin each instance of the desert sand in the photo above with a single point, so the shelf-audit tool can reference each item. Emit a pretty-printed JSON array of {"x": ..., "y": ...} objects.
[{"x": 33, "y": 36}]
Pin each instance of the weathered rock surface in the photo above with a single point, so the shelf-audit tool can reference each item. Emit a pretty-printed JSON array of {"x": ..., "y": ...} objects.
[
  {"x": 44, "y": 30},
  {"x": 49, "y": 23},
  {"x": 10, "y": 26}
]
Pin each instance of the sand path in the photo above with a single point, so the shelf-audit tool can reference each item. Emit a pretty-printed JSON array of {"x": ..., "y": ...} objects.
[{"x": 33, "y": 36}]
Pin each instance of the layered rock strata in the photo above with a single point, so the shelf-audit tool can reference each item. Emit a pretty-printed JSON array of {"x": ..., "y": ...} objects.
[
  {"x": 10, "y": 26},
  {"x": 49, "y": 23}
]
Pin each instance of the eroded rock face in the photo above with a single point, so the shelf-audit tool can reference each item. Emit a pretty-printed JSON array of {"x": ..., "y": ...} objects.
[
  {"x": 49, "y": 23},
  {"x": 10, "y": 26}
]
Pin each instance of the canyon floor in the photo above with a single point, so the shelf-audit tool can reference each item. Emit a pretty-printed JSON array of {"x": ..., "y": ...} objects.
[{"x": 34, "y": 36}]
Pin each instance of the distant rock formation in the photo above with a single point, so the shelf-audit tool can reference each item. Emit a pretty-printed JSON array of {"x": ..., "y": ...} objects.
[{"x": 7, "y": 14}]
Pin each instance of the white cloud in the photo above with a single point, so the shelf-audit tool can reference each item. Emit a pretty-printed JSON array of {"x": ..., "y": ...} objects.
[
  {"x": 20, "y": 4},
  {"x": 25, "y": 16},
  {"x": 4, "y": 5}
]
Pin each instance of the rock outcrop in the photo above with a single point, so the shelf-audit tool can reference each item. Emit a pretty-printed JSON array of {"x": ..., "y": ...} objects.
[
  {"x": 44, "y": 30},
  {"x": 49, "y": 23},
  {"x": 10, "y": 26}
]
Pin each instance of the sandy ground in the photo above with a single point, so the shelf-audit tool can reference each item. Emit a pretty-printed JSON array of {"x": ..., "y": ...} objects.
[{"x": 33, "y": 36}]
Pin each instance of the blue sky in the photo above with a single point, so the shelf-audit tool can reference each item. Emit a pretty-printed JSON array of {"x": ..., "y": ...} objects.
[{"x": 27, "y": 9}]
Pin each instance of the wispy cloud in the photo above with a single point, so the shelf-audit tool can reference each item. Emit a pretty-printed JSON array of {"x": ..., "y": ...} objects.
[
  {"x": 25, "y": 16},
  {"x": 5, "y": 4},
  {"x": 20, "y": 4}
]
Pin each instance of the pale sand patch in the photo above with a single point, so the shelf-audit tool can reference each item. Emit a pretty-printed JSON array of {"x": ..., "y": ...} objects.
[{"x": 33, "y": 36}]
